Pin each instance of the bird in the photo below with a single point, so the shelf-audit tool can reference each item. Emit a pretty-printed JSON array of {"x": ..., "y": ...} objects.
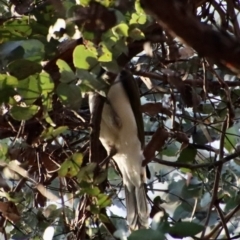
[{"x": 121, "y": 132}]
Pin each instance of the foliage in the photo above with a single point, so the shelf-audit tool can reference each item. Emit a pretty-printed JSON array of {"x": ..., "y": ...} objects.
[{"x": 52, "y": 54}]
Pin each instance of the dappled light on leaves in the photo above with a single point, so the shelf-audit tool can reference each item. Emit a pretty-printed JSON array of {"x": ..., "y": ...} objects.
[{"x": 56, "y": 180}]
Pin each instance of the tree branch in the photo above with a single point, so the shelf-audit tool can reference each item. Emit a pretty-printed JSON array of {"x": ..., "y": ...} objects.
[
  {"x": 196, "y": 166},
  {"x": 179, "y": 21}
]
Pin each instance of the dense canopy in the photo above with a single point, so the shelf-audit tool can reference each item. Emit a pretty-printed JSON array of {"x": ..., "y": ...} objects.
[{"x": 55, "y": 179}]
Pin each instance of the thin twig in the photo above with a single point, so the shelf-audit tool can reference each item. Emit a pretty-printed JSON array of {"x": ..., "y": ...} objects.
[
  {"x": 196, "y": 166},
  {"x": 223, "y": 221}
]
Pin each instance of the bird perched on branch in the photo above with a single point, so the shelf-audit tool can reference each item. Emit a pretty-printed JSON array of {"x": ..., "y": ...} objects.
[{"x": 121, "y": 131}]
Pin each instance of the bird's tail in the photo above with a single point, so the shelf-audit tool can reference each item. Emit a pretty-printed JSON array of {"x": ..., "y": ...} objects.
[{"x": 137, "y": 209}]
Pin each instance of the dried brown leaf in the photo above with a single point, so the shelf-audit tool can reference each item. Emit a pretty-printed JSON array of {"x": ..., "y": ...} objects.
[
  {"x": 155, "y": 144},
  {"x": 9, "y": 211},
  {"x": 13, "y": 217},
  {"x": 4, "y": 206},
  {"x": 181, "y": 137},
  {"x": 155, "y": 108},
  {"x": 49, "y": 164}
]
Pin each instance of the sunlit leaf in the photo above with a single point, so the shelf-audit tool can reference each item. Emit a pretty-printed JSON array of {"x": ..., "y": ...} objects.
[
  {"x": 71, "y": 166},
  {"x": 138, "y": 18},
  {"x": 3, "y": 149},
  {"x": 67, "y": 75},
  {"x": 121, "y": 30},
  {"x": 94, "y": 191},
  {"x": 138, "y": 7},
  {"x": 103, "y": 200},
  {"x": 51, "y": 133},
  {"x": 136, "y": 34},
  {"x": 45, "y": 82},
  {"x": 7, "y": 81},
  {"x": 29, "y": 89},
  {"x": 18, "y": 28},
  {"x": 106, "y": 55},
  {"x": 83, "y": 58},
  {"x": 86, "y": 172}
]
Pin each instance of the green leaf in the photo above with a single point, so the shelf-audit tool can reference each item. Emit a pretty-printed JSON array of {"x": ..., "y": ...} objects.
[
  {"x": 138, "y": 19},
  {"x": 71, "y": 166},
  {"x": 207, "y": 108},
  {"x": 70, "y": 95},
  {"x": 231, "y": 202},
  {"x": 231, "y": 137},
  {"x": 45, "y": 82},
  {"x": 138, "y": 7},
  {"x": 23, "y": 113},
  {"x": 47, "y": 107},
  {"x": 112, "y": 174},
  {"x": 18, "y": 27},
  {"x": 101, "y": 177},
  {"x": 84, "y": 58},
  {"x": 65, "y": 168},
  {"x": 29, "y": 89},
  {"x": 183, "y": 210},
  {"x": 187, "y": 155},
  {"x": 171, "y": 150},
  {"x": 85, "y": 2},
  {"x": 67, "y": 75},
  {"x": 34, "y": 50},
  {"x": 121, "y": 30},
  {"x": 104, "y": 200},
  {"x": 7, "y": 84},
  {"x": 109, "y": 40},
  {"x": 7, "y": 81},
  {"x": 86, "y": 172},
  {"x": 142, "y": 19},
  {"x": 136, "y": 34},
  {"x": 185, "y": 229},
  {"x": 191, "y": 191},
  {"x": 3, "y": 150},
  {"x": 77, "y": 158},
  {"x": 22, "y": 68},
  {"x": 94, "y": 209},
  {"x": 104, "y": 218},
  {"x": 120, "y": 47},
  {"x": 51, "y": 133},
  {"x": 111, "y": 66},
  {"x": 146, "y": 234},
  {"x": 90, "y": 167},
  {"x": 106, "y": 55},
  {"x": 93, "y": 191},
  {"x": 91, "y": 81}
]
